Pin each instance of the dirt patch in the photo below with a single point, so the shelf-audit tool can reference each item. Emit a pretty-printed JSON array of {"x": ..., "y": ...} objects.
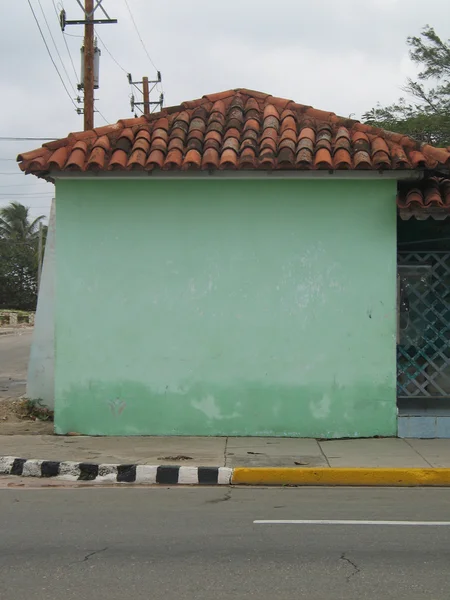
[{"x": 15, "y": 419}]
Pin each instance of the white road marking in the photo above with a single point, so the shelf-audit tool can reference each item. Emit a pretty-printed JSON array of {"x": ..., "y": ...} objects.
[{"x": 348, "y": 522}]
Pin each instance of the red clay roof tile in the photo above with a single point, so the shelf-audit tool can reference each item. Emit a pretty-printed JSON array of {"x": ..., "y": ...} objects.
[
  {"x": 192, "y": 160},
  {"x": 141, "y": 143},
  {"x": 288, "y": 123},
  {"x": 155, "y": 159},
  {"x": 417, "y": 159},
  {"x": 381, "y": 160},
  {"x": 307, "y": 133},
  {"x": 240, "y": 129},
  {"x": 174, "y": 159},
  {"x": 251, "y": 104},
  {"x": 176, "y": 143},
  {"x": 429, "y": 197},
  {"x": 210, "y": 159},
  {"x": 96, "y": 159},
  {"x": 248, "y": 160},
  {"x": 58, "y": 158},
  {"x": 137, "y": 159},
  {"x": 305, "y": 143},
  {"x": 361, "y": 160},
  {"x": 228, "y": 159},
  {"x": 118, "y": 160},
  {"x": 271, "y": 111},
  {"x": 286, "y": 158},
  {"x": 342, "y": 159},
  {"x": 378, "y": 144},
  {"x": 322, "y": 159}
]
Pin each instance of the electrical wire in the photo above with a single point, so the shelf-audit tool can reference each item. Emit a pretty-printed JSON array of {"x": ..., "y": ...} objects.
[
  {"x": 56, "y": 48},
  {"x": 114, "y": 59},
  {"x": 139, "y": 36},
  {"x": 67, "y": 45},
  {"x": 142, "y": 41},
  {"x": 50, "y": 54},
  {"x": 109, "y": 52},
  {"x": 102, "y": 116}
]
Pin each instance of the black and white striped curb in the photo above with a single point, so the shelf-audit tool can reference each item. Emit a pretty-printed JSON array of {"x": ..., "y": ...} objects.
[{"x": 74, "y": 471}]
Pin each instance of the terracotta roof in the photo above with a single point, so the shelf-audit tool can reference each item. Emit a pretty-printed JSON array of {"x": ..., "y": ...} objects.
[
  {"x": 430, "y": 197},
  {"x": 236, "y": 129}
]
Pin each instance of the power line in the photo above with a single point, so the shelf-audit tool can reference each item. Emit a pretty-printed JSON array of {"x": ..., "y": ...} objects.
[
  {"x": 141, "y": 40},
  {"x": 109, "y": 52},
  {"x": 102, "y": 116},
  {"x": 49, "y": 53},
  {"x": 139, "y": 35},
  {"x": 73, "y": 35},
  {"x": 56, "y": 48},
  {"x": 67, "y": 45}
]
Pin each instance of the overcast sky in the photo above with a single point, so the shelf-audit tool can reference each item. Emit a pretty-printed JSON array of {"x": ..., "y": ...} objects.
[{"x": 343, "y": 56}]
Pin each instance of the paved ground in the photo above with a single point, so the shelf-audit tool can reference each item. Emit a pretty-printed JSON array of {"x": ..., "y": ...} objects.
[
  {"x": 90, "y": 544},
  {"x": 191, "y": 451},
  {"x": 14, "y": 352}
]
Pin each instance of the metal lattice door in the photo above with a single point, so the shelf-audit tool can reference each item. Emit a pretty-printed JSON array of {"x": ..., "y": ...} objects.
[{"x": 423, "y": 344}]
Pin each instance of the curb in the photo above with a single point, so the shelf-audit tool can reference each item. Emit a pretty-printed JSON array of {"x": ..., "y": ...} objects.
[
  {"x": 341, "y": 476},
  {"x": 267, "y": 476},
  {"x": 75, "y": 471}
]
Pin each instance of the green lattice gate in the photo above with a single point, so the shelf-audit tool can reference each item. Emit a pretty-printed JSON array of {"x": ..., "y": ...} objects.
[{"x": 423, "y": 343}]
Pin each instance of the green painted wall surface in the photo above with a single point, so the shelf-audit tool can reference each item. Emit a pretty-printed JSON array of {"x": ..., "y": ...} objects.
[{"x": 233, "y": 307}]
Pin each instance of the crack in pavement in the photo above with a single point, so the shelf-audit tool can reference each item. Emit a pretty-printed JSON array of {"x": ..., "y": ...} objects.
[
  {"x": 350, "y": 562},
  {"x": 88, "y": 556},
  {"x": 224, "y": 498}
]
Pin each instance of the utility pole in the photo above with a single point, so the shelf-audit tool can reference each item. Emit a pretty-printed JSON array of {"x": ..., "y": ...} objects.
[
  {"x": 89, "y": 65},
  {"x": 146, "y": 91},
  {"x": 89, "y": 61},
  {"x": 146, "y": 95}
]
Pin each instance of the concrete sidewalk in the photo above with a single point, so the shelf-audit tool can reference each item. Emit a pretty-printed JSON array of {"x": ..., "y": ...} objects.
[{"x": 233, "y": 452}]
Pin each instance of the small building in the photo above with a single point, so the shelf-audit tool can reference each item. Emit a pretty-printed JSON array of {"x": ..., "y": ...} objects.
[{"x": 245, "y": 265}]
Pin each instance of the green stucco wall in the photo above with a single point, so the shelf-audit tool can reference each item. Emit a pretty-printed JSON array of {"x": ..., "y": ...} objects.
[{"x": 230, "y": 307}]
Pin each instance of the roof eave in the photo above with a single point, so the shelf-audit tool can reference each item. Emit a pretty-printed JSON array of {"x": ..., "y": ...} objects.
[{"x": 397, "y": 175}]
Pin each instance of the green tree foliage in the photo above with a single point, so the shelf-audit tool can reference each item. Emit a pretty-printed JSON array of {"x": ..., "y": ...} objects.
[
  {"x": 19, "y": 237},
  {"x": 425, "y": 114}
]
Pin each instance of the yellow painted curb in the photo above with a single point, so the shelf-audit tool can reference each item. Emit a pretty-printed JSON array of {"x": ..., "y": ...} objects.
[{"x": 341, "y": 476}]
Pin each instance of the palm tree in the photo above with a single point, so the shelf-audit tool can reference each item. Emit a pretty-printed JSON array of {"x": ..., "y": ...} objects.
[{"x": 15, "y": 223}]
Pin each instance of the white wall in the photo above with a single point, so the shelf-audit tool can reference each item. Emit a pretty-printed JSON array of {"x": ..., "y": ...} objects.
[{"x": 41, "y": 366}]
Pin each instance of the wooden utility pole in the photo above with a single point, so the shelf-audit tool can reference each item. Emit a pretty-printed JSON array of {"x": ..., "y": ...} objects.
[
  {"x": 89, "y": 65},
  {"x": 145, "y": 91},
  {"x": 146, "y": 94},
  {"x": 88, "y": 58}
]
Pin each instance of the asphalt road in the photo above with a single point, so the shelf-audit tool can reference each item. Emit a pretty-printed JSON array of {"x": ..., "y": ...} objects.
[
  {"x": 198, "y": 543},
  {"x": 14, "y": 353}
]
